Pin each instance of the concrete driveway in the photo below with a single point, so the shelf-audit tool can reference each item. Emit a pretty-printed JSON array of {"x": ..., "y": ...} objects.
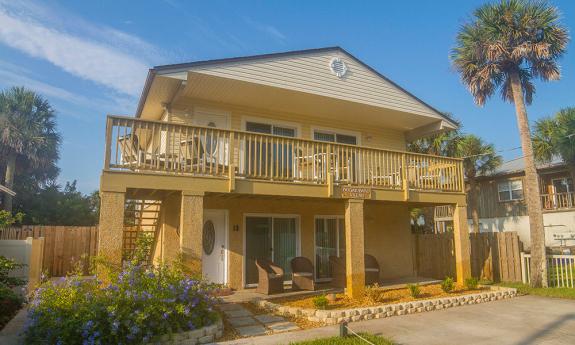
[{"x": 518, "y": 321}]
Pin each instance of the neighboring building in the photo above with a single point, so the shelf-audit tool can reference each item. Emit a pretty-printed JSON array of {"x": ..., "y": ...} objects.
[
  {"x": 275, "y": 156},
  {"x": 502, "y": 207}
]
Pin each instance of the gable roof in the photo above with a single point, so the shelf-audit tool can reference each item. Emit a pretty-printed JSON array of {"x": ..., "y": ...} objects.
[
  {"x": 517, "y": 165},
  {"x": 397, "y": 98}
]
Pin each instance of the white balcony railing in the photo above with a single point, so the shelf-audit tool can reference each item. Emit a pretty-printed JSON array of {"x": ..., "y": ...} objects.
[{"x": 139, "y": 145}]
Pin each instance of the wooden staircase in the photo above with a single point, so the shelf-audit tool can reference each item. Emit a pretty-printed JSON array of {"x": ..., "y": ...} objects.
[{"x": 141, "y": 225}]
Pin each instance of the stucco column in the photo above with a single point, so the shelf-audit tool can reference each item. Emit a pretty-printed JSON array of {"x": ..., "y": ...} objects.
[
  {"x": 461, "y": 244},
  {"x": 354, "y": 248},
  {"x": 191, "y": 223},
  {"x": 168, "y": 244},
  {"x": 111, "y": 227}
]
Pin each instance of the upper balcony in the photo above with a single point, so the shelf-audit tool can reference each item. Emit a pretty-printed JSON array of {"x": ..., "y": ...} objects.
[{"x": 221, "y": 160}]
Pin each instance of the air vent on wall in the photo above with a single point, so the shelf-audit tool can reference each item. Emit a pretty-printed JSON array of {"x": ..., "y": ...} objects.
[{"x": 338, "y": 67}]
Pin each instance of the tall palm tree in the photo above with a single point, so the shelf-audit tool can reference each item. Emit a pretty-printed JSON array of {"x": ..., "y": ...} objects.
[
  {"x": 505, "y": 46},
  {"x": 28, "y": 136},
  {"x": 555, "y": 137},
  {"x": 479, "y": 158}
]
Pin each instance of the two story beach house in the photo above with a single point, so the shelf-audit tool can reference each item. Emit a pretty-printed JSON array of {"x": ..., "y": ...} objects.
[{"x": 272, "y": 157}]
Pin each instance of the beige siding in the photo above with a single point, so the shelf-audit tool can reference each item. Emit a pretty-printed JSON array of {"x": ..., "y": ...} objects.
[
  {"x": 383, "y": 138},
  {"x": 387, "y": 230},
  {"x": 310, "y": 73}
]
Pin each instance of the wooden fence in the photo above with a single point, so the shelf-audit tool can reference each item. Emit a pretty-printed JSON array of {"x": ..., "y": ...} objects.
[
  {"x": 64, "y": 246},
  {"x": 494, "y": 256},
  {"x": 434, "y": 255}
]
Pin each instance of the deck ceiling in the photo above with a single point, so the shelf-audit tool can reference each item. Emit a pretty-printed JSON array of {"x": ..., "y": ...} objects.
[{"x": 170, "y": 90}]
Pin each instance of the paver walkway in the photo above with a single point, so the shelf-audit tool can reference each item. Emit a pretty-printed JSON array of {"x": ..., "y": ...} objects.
[{"x": 248, "y": 325}]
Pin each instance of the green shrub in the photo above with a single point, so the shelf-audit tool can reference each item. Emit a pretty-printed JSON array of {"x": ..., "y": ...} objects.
[
  {"x": 447, "y": 284},
  {"x": 7, "y": 266},
  {"x": 320, "y": 302},
  {"x": 139, "y": 305},
  {"x": 374, "y": 293},
  {"x": 414, "y": 290},
  {"x": 471, "y": 283}
]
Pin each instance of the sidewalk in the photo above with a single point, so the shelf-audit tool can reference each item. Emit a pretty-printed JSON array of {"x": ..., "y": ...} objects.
[
  {"x": 518, "y": 321},
  {"x": 10, "y": 334}
]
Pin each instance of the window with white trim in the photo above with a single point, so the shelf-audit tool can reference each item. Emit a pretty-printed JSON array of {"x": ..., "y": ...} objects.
[
  {"x": 510, "y": 190},
  {"x": 334, "y": 137},
  {"x": 266, "y": 128}
]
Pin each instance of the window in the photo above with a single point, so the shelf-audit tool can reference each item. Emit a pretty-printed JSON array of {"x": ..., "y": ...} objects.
[
  {"x": 329, "y": 241},
  {"x": 335, "y": 137},
  {"x": 265, "y": 128},
  {"x": 562, "y": 185},
  {"x": 272, "y": 158},
  {"x": 510, "y": 190}
]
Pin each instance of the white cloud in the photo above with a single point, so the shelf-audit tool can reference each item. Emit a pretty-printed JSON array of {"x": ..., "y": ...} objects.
[
  {"x": 12, "y": 75},
  {"x": 267, "y": 29},
  {"x": 103, "y": 55}
]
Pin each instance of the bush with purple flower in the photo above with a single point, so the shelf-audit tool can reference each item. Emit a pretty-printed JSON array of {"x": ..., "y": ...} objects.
[{"x": 140, "y": 305}]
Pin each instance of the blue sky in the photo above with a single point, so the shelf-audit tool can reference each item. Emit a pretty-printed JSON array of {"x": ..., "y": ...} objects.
[{"x": 90, "y": 58}]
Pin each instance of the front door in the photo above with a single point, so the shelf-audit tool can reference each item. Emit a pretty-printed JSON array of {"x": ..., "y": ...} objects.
[{"x": 214, "y": 257}]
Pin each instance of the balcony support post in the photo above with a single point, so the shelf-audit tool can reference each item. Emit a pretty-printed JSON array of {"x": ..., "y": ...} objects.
[
  {"x": 191, "y": 225},
  {"x": 404, "y": 184},
  {"x": 231, "y": 164},
  {"x": 461, "y": 244},
  {"x": 354, "y": 248},
  {"x": 108, "y": 152},
  {"x": 110, "y": 230},
  {"x": 329, "y": 170}
]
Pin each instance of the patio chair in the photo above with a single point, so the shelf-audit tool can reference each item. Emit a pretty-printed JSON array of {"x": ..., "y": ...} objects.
[
  {"x": 371, "y": 270},
  {"x": 270, "y": 277},
  {"x": 337, "y": 265},
  {"x": 132, "y": 156},
  {"x": 302, "y": 274}
]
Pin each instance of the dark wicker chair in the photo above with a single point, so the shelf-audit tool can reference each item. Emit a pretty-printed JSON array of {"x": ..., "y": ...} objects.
[
  {"x": 270, "y": 277},
  {"x": 371, "y": 270},
  {"x": 302, "y": 274},
  {"x": 337, "y": 265}
]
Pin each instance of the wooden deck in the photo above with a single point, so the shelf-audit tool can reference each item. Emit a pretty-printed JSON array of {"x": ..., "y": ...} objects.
[{"x": 153, "y": 147}]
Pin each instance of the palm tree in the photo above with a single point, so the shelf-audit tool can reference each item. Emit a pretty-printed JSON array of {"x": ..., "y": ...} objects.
[
  {"x": 28, "y": 137},
  {"x": 479, "y": 158},
  {"x": 505, "y": 46},
  {"x": 439, "y": 144},
  {"x": 555, "y": 137}
]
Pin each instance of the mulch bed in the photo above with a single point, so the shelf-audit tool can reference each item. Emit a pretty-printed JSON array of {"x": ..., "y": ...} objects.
[{"x": 377, "y": 296}]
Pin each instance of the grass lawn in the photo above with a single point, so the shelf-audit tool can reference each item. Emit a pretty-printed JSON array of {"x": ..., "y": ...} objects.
[
  {"x": 350, "y": 340},
  {"x": 545, "y": 292}
]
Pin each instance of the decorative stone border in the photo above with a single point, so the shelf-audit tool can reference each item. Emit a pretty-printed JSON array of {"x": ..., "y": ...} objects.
[
  {"x": 202, "y": 335},
  {"x": 331, "y": 317}
]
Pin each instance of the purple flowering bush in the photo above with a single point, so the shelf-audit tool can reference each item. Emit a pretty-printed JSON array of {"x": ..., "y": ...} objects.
[{"x": 140, "y": 305}]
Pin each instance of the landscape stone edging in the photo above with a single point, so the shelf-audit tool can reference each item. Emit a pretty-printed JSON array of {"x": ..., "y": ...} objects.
[
  {"x": 202, "y": 335},
  {"x": 332, "y": 317}
]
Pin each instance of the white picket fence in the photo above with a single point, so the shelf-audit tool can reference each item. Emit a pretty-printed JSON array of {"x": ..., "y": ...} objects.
[{"x": 560, "y": 270}]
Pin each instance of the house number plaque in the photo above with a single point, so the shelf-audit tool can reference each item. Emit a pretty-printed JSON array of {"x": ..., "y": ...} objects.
[{"x": 349, "y": 192}]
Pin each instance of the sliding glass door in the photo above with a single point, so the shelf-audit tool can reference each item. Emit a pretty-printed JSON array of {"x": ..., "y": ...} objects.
[
  {"x": 271, "y": 238},
  {"x": 329, "y": 241}
]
